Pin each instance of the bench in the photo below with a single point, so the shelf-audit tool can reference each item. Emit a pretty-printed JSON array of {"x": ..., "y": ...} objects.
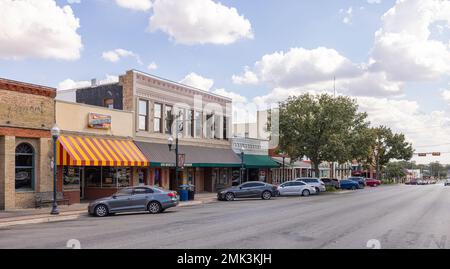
[{"x": 47, "y": 198}]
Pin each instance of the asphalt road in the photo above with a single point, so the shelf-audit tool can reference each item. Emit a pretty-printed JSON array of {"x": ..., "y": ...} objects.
[{"x": 396, "y": 216}]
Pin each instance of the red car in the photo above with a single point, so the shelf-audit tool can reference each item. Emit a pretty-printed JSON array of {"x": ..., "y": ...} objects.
[{"x": 372, "y": 182}]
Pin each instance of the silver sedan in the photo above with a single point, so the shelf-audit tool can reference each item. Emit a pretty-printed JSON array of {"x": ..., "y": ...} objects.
[
  {"x": 133, "y": 199},
  {"x": 296, "y": 188}
]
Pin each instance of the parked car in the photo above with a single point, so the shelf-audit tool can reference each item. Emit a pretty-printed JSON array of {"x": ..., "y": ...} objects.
[
  {"x": 318, "y": 184},
  {"x": 132, "y": 199},
  {"x": 250, "y": 189},
  {"x": 447, "y": 182},
  {"x": 296, "y": 188},
  {"x": 373, "y": 182},
  {"x": 332, "y": 182},
  {"x": 349, "y": 184},
  {"x": 361, "y": 181}
]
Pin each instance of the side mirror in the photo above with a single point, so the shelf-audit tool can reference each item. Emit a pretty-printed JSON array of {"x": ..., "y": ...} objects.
[{"x": 114, "y": 196}]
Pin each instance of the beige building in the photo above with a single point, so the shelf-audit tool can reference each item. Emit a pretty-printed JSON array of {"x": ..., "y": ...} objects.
[
  {"x": 27, "y": 114},
  {"x": 161, "y": 107}
]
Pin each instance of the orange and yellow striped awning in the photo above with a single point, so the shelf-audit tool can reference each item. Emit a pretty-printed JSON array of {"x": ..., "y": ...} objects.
[{"x": 90, "y": 151}]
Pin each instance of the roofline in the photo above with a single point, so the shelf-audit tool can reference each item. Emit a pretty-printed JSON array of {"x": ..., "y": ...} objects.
[
  {"x": 29, "y": 88},
  {"x": 89, "y": 87},
  {"x": 181, "y": 84}
]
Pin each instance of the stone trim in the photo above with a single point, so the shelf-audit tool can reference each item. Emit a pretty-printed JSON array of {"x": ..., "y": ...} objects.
[{"x": 16, "y": 86}]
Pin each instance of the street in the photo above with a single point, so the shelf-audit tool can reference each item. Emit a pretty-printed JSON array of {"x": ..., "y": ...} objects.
[{"x": 397, "y": 216}]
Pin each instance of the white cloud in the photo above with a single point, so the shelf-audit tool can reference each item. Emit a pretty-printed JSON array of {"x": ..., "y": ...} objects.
[
  {"x": 374, "y": 1},
  {"x": 73, "y": 1},
  {"x": 237, "y": 98},
  {"x": 72, "y": 84},
  {"x": 403, "y": 45},
  {"x": 38, "y": 29},
  {"x": 197, "y": 81},
  {"x": 140, "y": 5},
  {"x": 152, "y": 66},
  {"x": 117, "y": 54},
  {"x": 199, "y": 22},
  {"x": 299, "y": 67},
  {"x": 348, "y": 15}
]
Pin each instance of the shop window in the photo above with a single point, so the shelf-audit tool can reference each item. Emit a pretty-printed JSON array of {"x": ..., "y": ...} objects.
[
  {"x": 143, "y": 115},
  {"x": 24, "y": 180},
  {"x": 157, "y": 177},
  {"x": 141, "y": 173},
  {"x": 71, "y": 178},
  {"x": 123, "y": 177},
  {"x": 93, "y": 176},
  {"x": 169, "y": 119},
  {"x": 157, "y": 118},
  {"x": 109, "y": 177}
]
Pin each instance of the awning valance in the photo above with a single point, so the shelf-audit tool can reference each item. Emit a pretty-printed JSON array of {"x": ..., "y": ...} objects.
[
  {"x": 91, "y": 151},
  {"x": 259, "y": 161},
  {"x": 196, "y": 156}
]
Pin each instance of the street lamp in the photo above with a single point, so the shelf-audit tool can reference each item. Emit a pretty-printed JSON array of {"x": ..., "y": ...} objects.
[
  {"x": 170, "y": 144},
  {"x": 55, "y": 134},
  {"x": 242, "y": 165},
  {"x": 283, "y": 155}
]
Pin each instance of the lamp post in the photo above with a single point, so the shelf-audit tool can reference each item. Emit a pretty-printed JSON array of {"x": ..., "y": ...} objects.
[
  {"x": 242, "y": 165},
  {"x": 170, "y": 143},
  {"x": 55, "y": 134},
  {"x": 283, "y": 155}
]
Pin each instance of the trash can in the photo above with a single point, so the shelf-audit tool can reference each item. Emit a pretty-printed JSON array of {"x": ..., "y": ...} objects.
[
  {"x": 183, "y": 192},
  {"x": 191, "y": 192}
]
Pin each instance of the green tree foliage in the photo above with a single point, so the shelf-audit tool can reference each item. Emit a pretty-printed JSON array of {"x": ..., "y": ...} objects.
[{"x": 324, "y": 128}]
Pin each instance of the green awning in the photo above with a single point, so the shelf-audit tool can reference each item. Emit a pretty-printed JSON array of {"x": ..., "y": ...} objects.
[{"x": 259, "y": 161}]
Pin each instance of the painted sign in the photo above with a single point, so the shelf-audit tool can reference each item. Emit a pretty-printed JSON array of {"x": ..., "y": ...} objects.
[{"x": 99, "y": 121}]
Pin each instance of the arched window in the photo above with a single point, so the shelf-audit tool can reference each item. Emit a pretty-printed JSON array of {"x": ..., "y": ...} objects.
[{"x": 24, "y": 167}]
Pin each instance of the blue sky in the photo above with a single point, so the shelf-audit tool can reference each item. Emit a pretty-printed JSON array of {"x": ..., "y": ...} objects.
[{"x": 395, "y": 94}]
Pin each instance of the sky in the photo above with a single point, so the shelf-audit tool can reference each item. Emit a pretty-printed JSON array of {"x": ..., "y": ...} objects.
[{"x": 393, "y": 57}]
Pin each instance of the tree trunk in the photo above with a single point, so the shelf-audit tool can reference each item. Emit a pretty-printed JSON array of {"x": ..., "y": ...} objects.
[{"x": 316, "y": 169}]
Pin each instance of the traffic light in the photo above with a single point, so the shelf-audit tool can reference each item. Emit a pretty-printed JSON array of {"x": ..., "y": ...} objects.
[
  {"x": 436, "y": 154},
  {"x": 422, "y": 155}
]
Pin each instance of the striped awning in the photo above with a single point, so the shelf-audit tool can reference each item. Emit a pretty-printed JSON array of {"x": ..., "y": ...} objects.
[{"x": 90, "y": 151}]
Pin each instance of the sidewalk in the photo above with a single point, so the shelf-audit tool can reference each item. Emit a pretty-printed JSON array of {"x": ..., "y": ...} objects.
[{"x": 42, "y": 215}]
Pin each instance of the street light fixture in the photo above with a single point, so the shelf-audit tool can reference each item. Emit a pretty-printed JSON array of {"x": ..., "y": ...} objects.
[{"x": 56, "y": 132}]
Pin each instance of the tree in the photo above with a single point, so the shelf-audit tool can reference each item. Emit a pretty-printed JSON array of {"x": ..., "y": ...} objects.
[
  {"x": 396, "y": 170},
  {"x": 323, "y": 128},
  {"x": 387, "y": 146}
]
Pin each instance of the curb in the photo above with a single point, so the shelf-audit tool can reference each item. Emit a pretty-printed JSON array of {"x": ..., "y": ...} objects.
[{"x": 69, "y": 215}]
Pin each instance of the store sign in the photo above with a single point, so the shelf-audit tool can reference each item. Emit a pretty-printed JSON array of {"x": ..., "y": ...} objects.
[
  {"x": 181, "y": 160},
  {"x": 99, "y": 121}
]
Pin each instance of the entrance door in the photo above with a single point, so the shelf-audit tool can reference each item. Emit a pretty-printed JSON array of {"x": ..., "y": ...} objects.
[{"x": 82, "y": 184}]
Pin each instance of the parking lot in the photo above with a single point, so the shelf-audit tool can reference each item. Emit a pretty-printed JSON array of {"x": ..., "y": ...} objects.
[{"x": 397, "y": 216}]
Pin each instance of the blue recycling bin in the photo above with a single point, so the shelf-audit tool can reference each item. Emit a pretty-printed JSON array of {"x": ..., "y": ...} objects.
[{"x": 183, "y": 191}]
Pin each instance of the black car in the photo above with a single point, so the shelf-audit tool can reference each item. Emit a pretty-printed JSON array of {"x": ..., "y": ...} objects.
[
  {"x": 251, "y": 189},
  {"x": 331, "y": 182}
]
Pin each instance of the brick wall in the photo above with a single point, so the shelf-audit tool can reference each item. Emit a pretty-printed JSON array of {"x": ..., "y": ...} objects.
[{"x": 128, "y": 91}]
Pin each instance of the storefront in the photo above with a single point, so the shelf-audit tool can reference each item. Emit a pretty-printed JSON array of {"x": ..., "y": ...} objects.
[
  {"x": 258, "y": 168},
  {"x": 208, "y": 169},
  {"x": 91, "y": 167}
]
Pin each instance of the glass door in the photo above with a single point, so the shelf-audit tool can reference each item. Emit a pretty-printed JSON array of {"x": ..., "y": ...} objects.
[{"x": 82, "y": 183}]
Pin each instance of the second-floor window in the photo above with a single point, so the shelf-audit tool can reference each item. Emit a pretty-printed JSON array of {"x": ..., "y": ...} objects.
[
  {"x": 190, "y": 123},
  {"x": 225, "y": 128},
  {"x": 169, "y": 119},
  {"x": 157, "y": 118},
  {"x": 143, "y": 115},
  {"x": 198, "y": 119}
]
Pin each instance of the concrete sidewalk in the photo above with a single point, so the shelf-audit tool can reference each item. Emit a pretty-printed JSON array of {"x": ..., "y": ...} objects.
[{"x": 70, "y": 212}]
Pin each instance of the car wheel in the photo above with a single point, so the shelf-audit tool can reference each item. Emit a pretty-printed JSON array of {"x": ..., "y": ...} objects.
[
  {"x": 353, "y": 188},
  {"x": 375, "y": 185},
  {"x": 305, "y": 193},
  {"x": 154, "y": 207},
  {"x": 317, "y": 190},
  {"x": 101, "y": 211},
  {"x": 229, "y": 196},
  {"x": 266, "y": 195}
]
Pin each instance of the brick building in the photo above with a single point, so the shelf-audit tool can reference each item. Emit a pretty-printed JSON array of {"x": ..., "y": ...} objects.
[{"x": 27, "y": 114}]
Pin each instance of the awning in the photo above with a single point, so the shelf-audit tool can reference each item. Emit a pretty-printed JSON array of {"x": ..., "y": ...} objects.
[
  {"x": 259, "y": 161},
  {"x": 195, "y": 156},
  {"x": 90, "y": 151}
]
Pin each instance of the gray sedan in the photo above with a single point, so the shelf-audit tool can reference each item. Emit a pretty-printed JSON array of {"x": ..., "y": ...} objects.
[
  {"x": 251, "y": 189},
  {"x": 133, "y": 199}
]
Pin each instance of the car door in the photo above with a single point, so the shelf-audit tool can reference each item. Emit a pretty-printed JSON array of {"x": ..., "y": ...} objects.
[
  {"x": 121, "y": 201},
  {"x": 297, "y": 188},
  {"x": 285, "y": 188},
  {"x": 257, "y": 189},
  {"x": 141, "y": 195},
  {"x": 242, "y": 191}
]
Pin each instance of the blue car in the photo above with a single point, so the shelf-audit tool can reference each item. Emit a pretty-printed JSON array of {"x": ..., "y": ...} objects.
[
  {"x": 361, "y": 181},
  {"x": 349, "y": 185}
]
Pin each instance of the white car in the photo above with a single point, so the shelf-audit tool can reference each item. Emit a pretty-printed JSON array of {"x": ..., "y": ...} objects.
[
  {"x": 318, "y": 184},
  {"x": 447, "y": 182},
  {"x": 296, "y": 188}
]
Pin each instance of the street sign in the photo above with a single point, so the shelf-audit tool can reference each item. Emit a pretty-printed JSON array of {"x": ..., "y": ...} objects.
[{"x": 422, "y": 155}]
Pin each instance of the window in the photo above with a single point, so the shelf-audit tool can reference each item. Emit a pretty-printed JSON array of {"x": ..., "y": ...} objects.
[
  {"x": 93, "y": 176},
  {"x": 71, "y": 178},
  {"x": 157, "y": 177},
  {"x": 180, "y": 120},
  {"x": 169, "y": 119},
  {"x": 142, "y": 191},
  {"x": 209, "y": 126},
  {"x": 190, "y": 123},
  {"x": 24, "y": 167},
  {"x": 143, "y": 115},
  {"x": 216, "y": 127},
  {"x": 198, "y": 124},
  {"x": 298, "y": 184},
  {"x": 157, "y": 119},
  {"x": 109, "y": 179},
  {"x": 225, "y": 128},
  {"x": 125, "y": 192},
  {"x": 123, "y": 177},
  {"x": 109, "y": 103}
]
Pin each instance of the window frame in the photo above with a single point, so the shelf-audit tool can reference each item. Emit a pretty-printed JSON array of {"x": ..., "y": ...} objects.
[
  {"x": 32, "y": 167},
  {"x": 160, "y": 118},
  {"x": 143, "y": 115}
]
